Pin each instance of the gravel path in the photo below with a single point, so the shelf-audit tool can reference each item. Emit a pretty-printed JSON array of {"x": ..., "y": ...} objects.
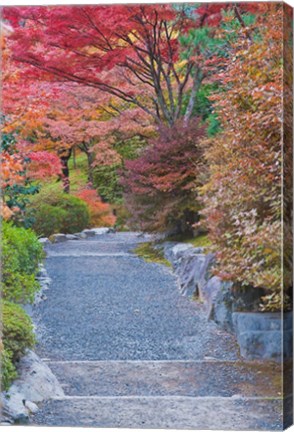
[
  {"x": 130, "y": 351},
  {"x": 120, "y": 307}
]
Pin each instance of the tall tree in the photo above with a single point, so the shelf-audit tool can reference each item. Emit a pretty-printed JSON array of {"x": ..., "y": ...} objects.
[{"x": 82, "y": 43}]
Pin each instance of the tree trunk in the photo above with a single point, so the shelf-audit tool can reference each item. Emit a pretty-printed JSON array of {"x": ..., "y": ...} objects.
[
  {"x": 85, "y": 148},
  {"x": 90, "y": 159},
  {"x": 64, "y": 156},
  {"x": 195, "y": 88}
]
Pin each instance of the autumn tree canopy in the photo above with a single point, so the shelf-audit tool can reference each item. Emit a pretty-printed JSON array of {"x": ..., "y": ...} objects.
[{"x": 83, "y": 44}]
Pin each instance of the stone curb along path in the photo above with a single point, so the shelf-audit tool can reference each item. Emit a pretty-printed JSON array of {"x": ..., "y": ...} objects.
[
  {"x": 259, "y": 334},
  {"x": 127, "y": 350}
]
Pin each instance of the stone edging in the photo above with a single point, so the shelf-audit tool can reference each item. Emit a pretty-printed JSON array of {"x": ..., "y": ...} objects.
[
  {"x": 86, "y": 233},
  {"x": 258, "y": 334}
]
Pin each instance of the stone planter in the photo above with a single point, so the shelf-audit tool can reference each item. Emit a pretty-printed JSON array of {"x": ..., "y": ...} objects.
[{"x": 262, "y": 335}]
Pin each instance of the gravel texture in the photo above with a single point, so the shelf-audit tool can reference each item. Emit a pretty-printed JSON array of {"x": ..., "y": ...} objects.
[
  {"x": 167, "y": 378},
  {"x": 130, "y": 351},
  {"x": 166, "y": 413},
  {"x": 120, "y": 307}
]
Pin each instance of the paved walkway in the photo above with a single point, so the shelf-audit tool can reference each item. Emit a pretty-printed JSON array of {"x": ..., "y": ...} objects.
[{"x": 131, "y": 352}]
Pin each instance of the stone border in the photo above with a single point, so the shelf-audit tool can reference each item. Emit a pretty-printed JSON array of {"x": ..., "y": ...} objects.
[
  {"x": 36, "y": 383},
  {"x": 86, "y": 233},
  {"x": 259, "y": 335}
]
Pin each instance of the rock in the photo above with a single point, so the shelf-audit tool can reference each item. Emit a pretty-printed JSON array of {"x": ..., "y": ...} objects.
[
  {"x": 40, "y": 296},
  {"x": 81, "y": 235},
  {"x": 13, "y": 408},
  {"x": 218, "y": 299},
  {"x": 169, "y": 251},
  {"x": 188, "y": 272},
  {"x": 31, "y": 406},
  {"x": 174, "y": 252},
  {"x": 100, "y": 231},
  {"x": 36, "y": 383},
  {"x": 190, "y": 265},
  {"x": 259, "y": 334},
  {"x": 45, "y": 282},
  {"x": 221, "y": 298},
  {"x": 21, "y": 419},
  {"x": 178, "y": 251},
  {"x": 42, "y": 272},
  {"x": 58, "y": 238},
  {"x": 89, "y": 233},
  {"x": 44, "y": 241},
  {"x": 71, "y": 237},
  {"x": 205, "y": 273}
]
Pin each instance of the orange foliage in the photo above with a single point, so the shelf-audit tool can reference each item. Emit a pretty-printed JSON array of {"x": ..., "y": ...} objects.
[
  {"x": 100, "y": 213},
  {"x": 11, "y": 166},
  {"x": 243, "y": 196}
]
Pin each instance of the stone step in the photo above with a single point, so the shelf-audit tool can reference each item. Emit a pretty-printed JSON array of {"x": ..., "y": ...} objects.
[
  {"x": 167, "y": 378},
  {"x": 213, "y": 413}
]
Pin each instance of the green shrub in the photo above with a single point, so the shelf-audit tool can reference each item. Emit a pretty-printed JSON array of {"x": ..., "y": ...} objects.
[
  {"x": 17, "y": 330},
  {"x": 106, "y": 180},
  {"x": 22, "y": 253},
  {"x": 26, "y": 244},
  {"x": 122, "y": 217},
  {"x": 48, "y": 219},
  {"x": 55, "y": 211},
  {"x": 7, "y": 369}
]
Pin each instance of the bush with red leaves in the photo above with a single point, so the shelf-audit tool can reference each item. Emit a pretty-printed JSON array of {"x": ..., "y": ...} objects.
[
  {"x": 100, "y": 213},
  {"x": 160, "y": 186}
]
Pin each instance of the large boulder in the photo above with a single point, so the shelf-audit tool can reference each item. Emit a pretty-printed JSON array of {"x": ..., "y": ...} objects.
[
  {"x": 190, "y": 264},
  {"x": 71, "y": 237},
  {"x": 259, "y": 334},
  {"x": 205, "y": 273},
  {"x": 44, "y": 241},
  {"x": 80, "y": 235},
  {"x": 218, "y": 300},
  {"x": 189, "y": 272},
  {"x": 174, "y": 252},
  {"x": 89, "y": 232},
  {"x": 223, "y": 298},
  {"x": 97, "y": 231},
  {"x": 36, "y": 383},
  {"x": 168, "y": 250},
  {"x": 178, "y": 251},
  {"x": 58, "y": 238}
]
